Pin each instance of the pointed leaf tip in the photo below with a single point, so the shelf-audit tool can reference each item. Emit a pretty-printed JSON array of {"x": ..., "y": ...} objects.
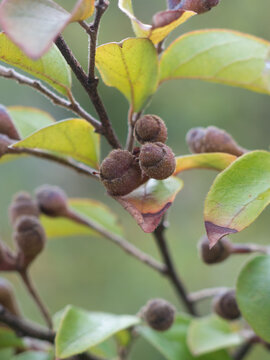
[{"x": 215, "y": 232}]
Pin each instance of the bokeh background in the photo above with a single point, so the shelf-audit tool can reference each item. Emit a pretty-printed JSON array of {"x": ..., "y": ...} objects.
[{"x": 91, "y": 272}]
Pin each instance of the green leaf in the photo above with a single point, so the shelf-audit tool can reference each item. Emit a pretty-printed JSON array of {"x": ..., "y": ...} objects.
[
  {"x": 130, "y": 66},
  {"x": 217, "y": 55},
  {"x": 238, "y": 195},
  {"x": 253, "y": 295},
  {"x": 52, "y": 67},
  {"x": 9, "y": 339},
  {"x": 89, "y": 209},
  {"x": 74, "y": 138},
  {"x": 215, "y": 161},
  {"x": 6, "y": 354},
  {"x": 172, "y": 344},
  {"x": 148, "y": 203},
  {"x": 211, "y": 333},
  {"x": 163, "y": 23},
  {"x": 33, "y": 355},
  {"x": 80, "y": 330}
]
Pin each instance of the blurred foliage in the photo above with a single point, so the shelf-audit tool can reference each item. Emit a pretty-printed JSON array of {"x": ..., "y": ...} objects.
[{"x": 90, "y": 272}]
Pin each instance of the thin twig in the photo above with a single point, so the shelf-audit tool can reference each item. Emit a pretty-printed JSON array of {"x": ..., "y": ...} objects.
[
  {"x": 205, "y": 293},
  {"x": 33, "y": 292},
  {"x": 80, "y": 168},
  {"x": 73, "y": 106},
  {"x": 171, "y": 271},
  {"x": 119, "y": 241},
  {"x": 243, "y": 351},
  {"x": 91, "y": 89},
  {"x": 249, "y": 248}
]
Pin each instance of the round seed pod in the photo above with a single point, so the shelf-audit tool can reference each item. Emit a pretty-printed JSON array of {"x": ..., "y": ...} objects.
[
  {"x": 7, "y": 297},
  {"x": 5, "y": 141},
  {"x": 220, "y": 252},
  {"x": 30, "y": 239},
  {"x": 52, "y": 200},
  {"x": 225, "y": 305},
  {"x": 199, "y": 6},
  {"x": 7, "y": 126},
  {"x": 159, "y": 314},
  {"x": 22, "y": 204},
  {"x": 150, "y": 128},
  {"x": 212, "y": 139},
  {"x": 157, "y": 160},
  {"x": 120, "y": 173}
]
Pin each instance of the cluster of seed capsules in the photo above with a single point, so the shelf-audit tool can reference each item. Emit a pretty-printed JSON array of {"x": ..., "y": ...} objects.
[{"x": 122, "y": 171}]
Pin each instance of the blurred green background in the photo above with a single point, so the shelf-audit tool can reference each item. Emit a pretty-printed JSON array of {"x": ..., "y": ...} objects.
[{"x": 91, "y": 272}]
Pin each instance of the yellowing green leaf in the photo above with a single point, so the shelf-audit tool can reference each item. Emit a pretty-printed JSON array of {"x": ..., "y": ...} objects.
[
  {"x": 221, "y": 56},
  {"x": 131, "y": 67},
  {"x": 73, "y": 138},
  {"x": 80, "y": 330},
  {"x": 89, "y": 209},
  {"x": 238, "y": 195},
  {"x": 164, "y": 22},
  {"x": 83, "y": 10},
  {"x": 148, "y": 203},
  {"x": 51, "y": 68},
  {"x": 215, "y": 161}
]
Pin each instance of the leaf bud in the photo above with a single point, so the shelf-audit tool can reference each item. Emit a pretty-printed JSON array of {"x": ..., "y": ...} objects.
[
  {"x": 120, "y": 173},
  {"x": 198, "y": 6},
  {"x": 7, "y": 126},
  {"x": 22, "y": 204},
  {"x": 212, "y": 139},
  {"x": 7, "y": 297},
  {"x": 159, "y": 314},
  {"x": 52, "y": 200},
  {"x": 150, "y": 128},
  {"x": 220, "y": 252},
  {"x": 225, "y": 305},
  {"x": 30, "y": 239},
  {"x": 157, "y": 160}
]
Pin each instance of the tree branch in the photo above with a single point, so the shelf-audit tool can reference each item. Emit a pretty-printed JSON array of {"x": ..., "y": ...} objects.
[
  {"x": 171, "y": 271},
  {"x": 91, "y": 89},
  {"x": 243, "y": 350},
  {"x": 205, "y": 293},
  {"x": 73, "y": 106},
  {"x": 119, "y": 241}
]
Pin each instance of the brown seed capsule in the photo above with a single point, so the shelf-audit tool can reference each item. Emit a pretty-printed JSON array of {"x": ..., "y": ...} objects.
[
  {"x": 150, "y": 128},
  {"x": 52, "y": 200},
  {"x": 159, "y": 314},
  {"x": 5, "y": 141},
  {"x": 7, "y": 297},
  {"x": 7, "y": 258},
  {"x": 120, "y": 173},
  {"x": 7, "y": 126},
  {"x": 157, "y": 160},
  {"x": 30, "y": 239},
  {"x": 199, "y": 6},
  {"x": 225, "y": 305},
  {"x": 22, "y": 204},
  {"x": 220, "y": 252},
  {"x": 212, "y": 139}
]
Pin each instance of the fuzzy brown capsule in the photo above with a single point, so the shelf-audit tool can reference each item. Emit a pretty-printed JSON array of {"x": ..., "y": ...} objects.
[
  {"x": 150, "y": 128},
  {"x": 225, "y": 305},
  {"x": 7, "y": 126},
  {"x": 159, "y": 314},
  {"x": 7, "y": 297},
  {"x": 30, "y": 239},
  {"x": 157, "y": 160},
  {"x": 120, "y": 173},
  {"x": 22, "y": 204},
  {"x": 199, "y": 6},
  {"x": 212, "y": 139},
  {"x": 52, "y": 200},
  {"x": 220, "y": 252}
]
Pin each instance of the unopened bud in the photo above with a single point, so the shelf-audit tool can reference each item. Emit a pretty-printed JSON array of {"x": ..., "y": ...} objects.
[
  {"x": 218, "y": 253},
  {"x": 7, "y": 126},
  {"x": 199, "y": 6},
  {"x": 22, "y": 204},
  {"x": 225, "y": 305},
  {"x": 159, "y": 314},
  {"x": 7, "y": 297},
  {"x": 52, "y": 200}
]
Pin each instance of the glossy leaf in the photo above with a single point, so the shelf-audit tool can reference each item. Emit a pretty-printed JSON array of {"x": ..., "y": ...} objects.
[
  {"x": 214, "y": 161},
  {"x": 211, "y": 333},
  {"x": 172, "y": 344},
  {"x": 131, "y": 67},
  {"x": 253, "y": 295},
  {"x": 74, "y": 138},
  {"x": 51, "y": 68},
  {"x": 150, "y": 201},
  {"x": 238, "y": 195},
  {"x": 217, "y": 55},
  {"x": 9, "y": 339},
  {"x": 89, "y": 209},
  {"x": 33, "y": 355},
  {"x": 163, "y": 23},
  {"x": 80, "y": 330}
]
